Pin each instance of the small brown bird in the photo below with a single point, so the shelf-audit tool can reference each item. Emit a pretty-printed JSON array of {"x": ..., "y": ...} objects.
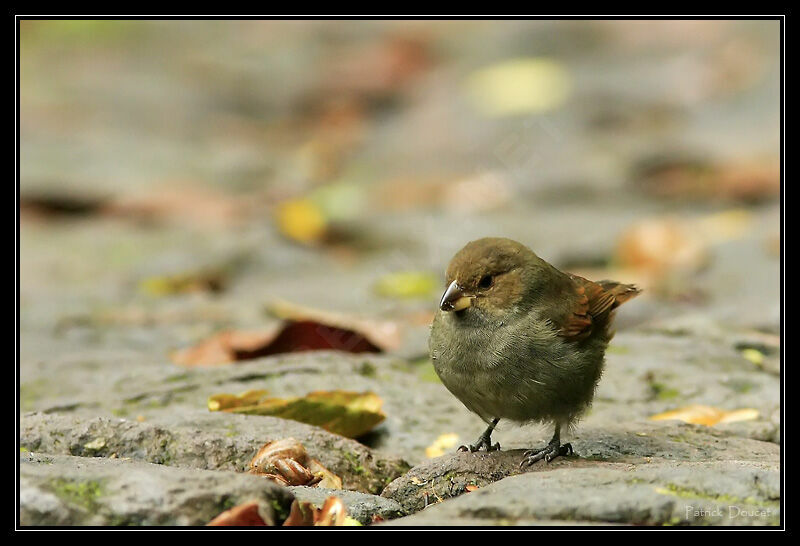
[{"x": 517, "y": 339}]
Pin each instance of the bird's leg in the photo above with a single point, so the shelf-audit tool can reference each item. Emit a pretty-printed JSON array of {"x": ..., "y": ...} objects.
[
  {"x": 484, "y": 440},
  {"x": 552, "y": 450}
]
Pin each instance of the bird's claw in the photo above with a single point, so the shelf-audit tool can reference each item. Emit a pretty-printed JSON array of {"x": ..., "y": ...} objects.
[
  {"x": 481, "y": 443},
  {"x": 548, "y": 453}
]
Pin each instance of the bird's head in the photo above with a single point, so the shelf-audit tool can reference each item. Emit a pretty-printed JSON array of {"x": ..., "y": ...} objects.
[{"x": 492, "y": 275}]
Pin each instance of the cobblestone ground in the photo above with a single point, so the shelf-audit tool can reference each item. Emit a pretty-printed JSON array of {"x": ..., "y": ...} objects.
[{"x": 150, "y": 150}]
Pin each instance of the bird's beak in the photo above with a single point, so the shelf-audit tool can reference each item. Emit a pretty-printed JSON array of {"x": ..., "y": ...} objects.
[{"x": 454, "y": 298}]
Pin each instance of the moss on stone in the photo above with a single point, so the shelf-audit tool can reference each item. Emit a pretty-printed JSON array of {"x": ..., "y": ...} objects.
[{"x": 84, "y": 493}]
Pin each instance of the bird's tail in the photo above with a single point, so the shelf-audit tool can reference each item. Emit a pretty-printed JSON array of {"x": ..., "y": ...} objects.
[{"x": 621, "y": 292}]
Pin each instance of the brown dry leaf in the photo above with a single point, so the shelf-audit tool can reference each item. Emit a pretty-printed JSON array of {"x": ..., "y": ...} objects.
[
  {"x": 484, "y": 192},
  {"x": 706, "y": 415},
  {"x": 339, "y": 127},
  {"x": 375, "y": 71},
  {"x": 749, "y": 181},
  {"x": 333, "y": 513},
  {"x": 349, "y": 414},
  {"x": 328, "y": 480},
  {"x": 243, "y": 515},
  {"x": 402, "y": 194},
  {"x": 340, "y": 331},
  {"x": 286, "y": 448},
  {"x": 302, "y": 329},
  {"x": 186, "y": 203},
  {"x": 225, "y": 347},
  {"x": 661, "y": 244}
]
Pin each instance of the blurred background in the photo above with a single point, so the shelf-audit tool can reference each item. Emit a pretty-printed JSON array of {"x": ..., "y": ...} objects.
[{"x": 181, "y": 179}]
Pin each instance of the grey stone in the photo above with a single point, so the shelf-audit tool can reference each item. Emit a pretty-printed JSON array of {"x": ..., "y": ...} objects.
[
  {"x": 65, "y": 490},
  {"x": 678, "y": 493},
  {"x": 634, "y": 445},
  {"x": 214, "y": 441},
  {"x": 360, "y": 506}
]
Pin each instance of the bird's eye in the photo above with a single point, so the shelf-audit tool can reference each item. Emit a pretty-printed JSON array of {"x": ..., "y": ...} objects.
[{"x": 486, "y": 281}]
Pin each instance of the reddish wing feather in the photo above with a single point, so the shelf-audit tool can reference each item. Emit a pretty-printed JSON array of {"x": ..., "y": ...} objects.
[{"x": 591, "y": 301}]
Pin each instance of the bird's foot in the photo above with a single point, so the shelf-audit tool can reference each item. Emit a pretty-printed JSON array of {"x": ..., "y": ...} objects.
[
  {"x": 483, "y": 442},
  {"x": 548, "y": 453}
]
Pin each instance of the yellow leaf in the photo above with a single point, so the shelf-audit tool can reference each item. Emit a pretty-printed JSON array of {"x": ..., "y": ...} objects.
[
  {"x": 349, "y": 414},
  {"x": 754, "y": 355},
  {"x": 438, "y": 447},
  {"x": 220, "y": 402},
  {"x": 706, "y": 415},
  {"x": 183, "y": 283},
  {"x": 407, "y": 284},
  {"x": 301, "y": 220},
  {"x": 519, "y": 86},
  {"x": 725, "y": 226}
]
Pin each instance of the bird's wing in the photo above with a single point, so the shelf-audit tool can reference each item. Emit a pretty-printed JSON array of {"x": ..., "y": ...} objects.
[{"x": 588, "y": 303}]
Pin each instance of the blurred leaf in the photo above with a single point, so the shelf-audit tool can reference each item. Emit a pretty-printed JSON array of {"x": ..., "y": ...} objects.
[
  {"x": 243, "y": 515},
  {"x": 340, "y": 331},
  {"x": 183, "y": 203},
  {"x": 408, "y": 284},
  {"x": 725, "y": 226},
  {"x": 341, "y": 201},
  {"x": 682, "y": 178},
  {"x": 184, "y": 283},
  {"x": 660, "y": 245},
  {"x": 519, "y": 86},
  {"x": 332, "y": 513},
  {"x": 226, "y": 401},
  {"x": 442, "y": 443},
  {"x": 302, "y": 329},
  {"x": 301, "y": 220},
  {"x": 346, "y": 413},
  {"x": 224, "y": 348},
  {"x": 754, "y": 355},
  {"x": 484, "y": 192},
  {"x": 706, "y": 415}
]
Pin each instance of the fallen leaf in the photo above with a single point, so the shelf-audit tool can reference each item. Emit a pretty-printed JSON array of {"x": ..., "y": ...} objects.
[
  {"x": 287, "y": 462},
  {"x": 219, "y": 402},
  {"x": 302, "y": 329},
  {"x": 724, "y": 226},
  {"x": 301, "y": 220},
  {"x": 243, "y": 515},
  {"x": 442, "y": 443},
  {"x": 226, "y": 347},
  {"x": 333, "y": 513},
  {"x": 184, "y": 283},
  {"x": 328, "y": 480},
  {"x": 706, "y": 415},
  {"x": 754, "y": 355},
  {"x": 376, "y": 71},
  {"x": 340, "y": 331},
  {"x": 484, "y": 192},
  {"x": 407, "y": 284},
  {"x": 519, "y": 86},
  {"x": 749, "y": 181},
  {"x": 349, "y": 414},
  {"x": 659, "y": 245},
  {"x": 301, "y": 514},
  {"x": 96, "y": 444},
  {"x": 183, "y": 203}
]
